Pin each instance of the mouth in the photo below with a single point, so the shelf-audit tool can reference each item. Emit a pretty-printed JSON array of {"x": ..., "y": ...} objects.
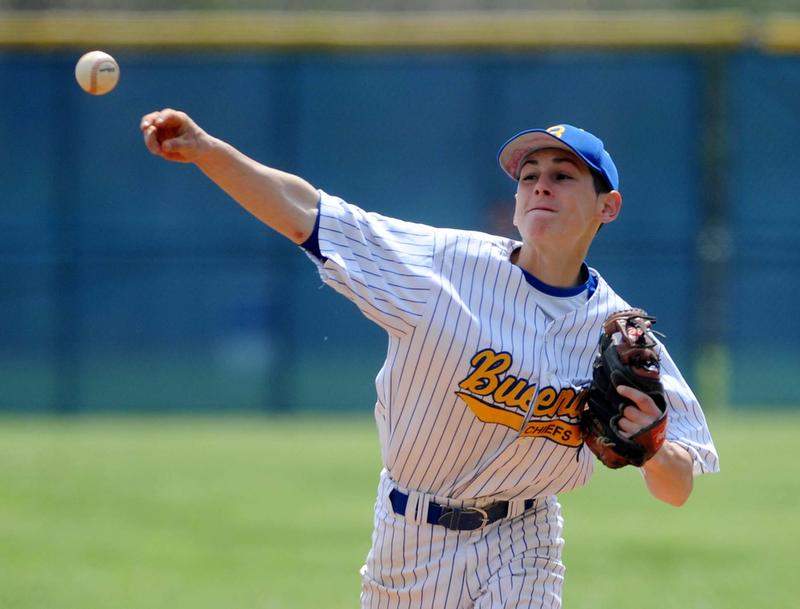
[{"x": 542, "y": 208}]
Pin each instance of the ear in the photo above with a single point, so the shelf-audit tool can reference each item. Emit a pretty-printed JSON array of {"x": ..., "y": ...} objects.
[
  {"x": 610, "y": 205},
  {"x": 514, "y": 217}
]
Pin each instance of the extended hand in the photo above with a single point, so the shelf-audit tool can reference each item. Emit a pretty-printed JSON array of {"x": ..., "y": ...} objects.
[{"x": 171, "y": 134}]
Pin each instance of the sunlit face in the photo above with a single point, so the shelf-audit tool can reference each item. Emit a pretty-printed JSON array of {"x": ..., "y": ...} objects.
[{"x": 557, "y": 201}]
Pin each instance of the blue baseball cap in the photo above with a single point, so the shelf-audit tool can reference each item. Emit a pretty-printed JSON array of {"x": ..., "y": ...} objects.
[{"x": 582, "y": 143}]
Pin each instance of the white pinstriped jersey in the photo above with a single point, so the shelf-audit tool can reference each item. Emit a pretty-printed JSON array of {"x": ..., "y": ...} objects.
[{"x": 480, "y": 390}]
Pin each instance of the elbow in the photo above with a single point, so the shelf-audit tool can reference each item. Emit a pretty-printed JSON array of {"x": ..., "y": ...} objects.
[
  {"x": 300, "y": 226},
  {"x": 669, "y": 475},
  {"x": 677, "y": 501},
  {"x": 304, "y": 224},
  {"x": 676, "y": 497},
  {"x": 298, "y": 235}
]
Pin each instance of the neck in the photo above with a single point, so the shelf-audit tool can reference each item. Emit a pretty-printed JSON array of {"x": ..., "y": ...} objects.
[{"x": 559, "y": 269}]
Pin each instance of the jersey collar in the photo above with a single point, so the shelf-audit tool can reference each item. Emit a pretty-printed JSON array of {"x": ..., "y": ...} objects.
[{"x": 551, "y": 290}]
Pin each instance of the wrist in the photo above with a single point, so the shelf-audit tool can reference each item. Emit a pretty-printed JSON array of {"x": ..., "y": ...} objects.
[
  {"x": 209, "y": 150},
  {"x": 659, "y": 460}
]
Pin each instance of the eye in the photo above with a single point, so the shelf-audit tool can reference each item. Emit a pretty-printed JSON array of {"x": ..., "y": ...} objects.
[
  {"x": 529, "y": 177},
  {"x": 563, "y": 176}
]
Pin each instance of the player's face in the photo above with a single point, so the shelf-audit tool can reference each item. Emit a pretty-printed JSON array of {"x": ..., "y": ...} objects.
[{"x": 557, "y": 201}]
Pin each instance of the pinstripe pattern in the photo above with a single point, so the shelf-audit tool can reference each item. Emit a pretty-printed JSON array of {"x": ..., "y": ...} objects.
[
  {"x": 475, "y": 403},
  {"x": 512, "y": 563}
]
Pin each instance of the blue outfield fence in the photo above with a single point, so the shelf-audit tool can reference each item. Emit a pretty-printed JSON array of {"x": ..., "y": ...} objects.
[
  {"x": 764, "y": 183},
  {"x": 130, "y": 283}
]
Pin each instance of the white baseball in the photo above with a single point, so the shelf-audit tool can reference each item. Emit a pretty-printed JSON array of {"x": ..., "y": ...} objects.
[{"x": 97, "y": 72}]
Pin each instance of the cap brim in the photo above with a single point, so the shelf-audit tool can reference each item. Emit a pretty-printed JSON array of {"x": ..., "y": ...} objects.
[{"x": 515, "y": 150}]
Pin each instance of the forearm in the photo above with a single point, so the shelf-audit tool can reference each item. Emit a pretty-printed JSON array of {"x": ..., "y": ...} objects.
[
  {"x": 668, "y": 474},
  {"x": 283, "y": 201}
]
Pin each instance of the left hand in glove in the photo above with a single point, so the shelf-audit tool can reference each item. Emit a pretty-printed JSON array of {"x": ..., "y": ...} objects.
[{"x": 625, "y": 419}]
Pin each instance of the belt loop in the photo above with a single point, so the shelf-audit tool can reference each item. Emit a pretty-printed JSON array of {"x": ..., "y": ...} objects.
[
  {"x": 424, "y": 504},
  {"x": 417, "y": 507},
  {"x": 412, "y": 508},
  {"x": 515, "y": 508}
]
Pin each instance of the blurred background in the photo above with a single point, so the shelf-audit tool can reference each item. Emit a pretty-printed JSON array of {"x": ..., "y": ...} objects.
[{"x": 133, "y": 286}]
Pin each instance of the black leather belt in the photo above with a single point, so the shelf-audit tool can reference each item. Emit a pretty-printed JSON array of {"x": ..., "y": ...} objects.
[{"x": 455, "y": 518}]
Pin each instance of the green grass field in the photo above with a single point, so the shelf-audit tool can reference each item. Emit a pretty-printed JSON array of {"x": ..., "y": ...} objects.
[{"x": 270, "y": 513}]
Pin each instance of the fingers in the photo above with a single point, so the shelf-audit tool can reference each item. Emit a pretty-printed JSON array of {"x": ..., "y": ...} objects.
[
  {"x": 171, "y": 118},
  {"x": 627, "y": 427},
  {"x": 151, "y": 139},
  {"x": 643, "y": 401},
  {"x": 638, "y": 416},
  {"x": 178, "y": 145},
  {"x": 633, "y": 420},
  {"x": 147, "y": 120},
  {"x": 149, "y": 131},
  {"x": 163, "y": 118},
  {"x": 167, "y": 133}
]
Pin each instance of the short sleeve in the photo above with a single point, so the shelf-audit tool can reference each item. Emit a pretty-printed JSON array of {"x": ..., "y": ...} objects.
[
  {"x": 687, "y": 424},
  {"x": 382, "y": 264}
]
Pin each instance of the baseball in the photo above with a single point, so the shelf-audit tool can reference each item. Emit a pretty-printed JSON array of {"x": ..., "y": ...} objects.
[{"x": 97, "y": 72}]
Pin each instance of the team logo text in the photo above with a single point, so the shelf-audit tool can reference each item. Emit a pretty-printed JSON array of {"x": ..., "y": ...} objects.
[{"x": 503, "y": 399}]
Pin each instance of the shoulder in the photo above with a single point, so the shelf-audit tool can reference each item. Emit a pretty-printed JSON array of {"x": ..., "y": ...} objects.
[
  {"x": 467, "y": 243},
  {"x": 605, "y": 300},
  {"x": 445, "y": 241},
  {"x": 348, "y": 213}
]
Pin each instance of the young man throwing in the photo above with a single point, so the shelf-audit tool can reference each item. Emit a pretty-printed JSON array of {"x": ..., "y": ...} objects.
[{"x": 491, "y": 342}]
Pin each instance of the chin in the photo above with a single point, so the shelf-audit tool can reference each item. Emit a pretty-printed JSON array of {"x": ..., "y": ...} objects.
[{"x": 538, "y": 230}]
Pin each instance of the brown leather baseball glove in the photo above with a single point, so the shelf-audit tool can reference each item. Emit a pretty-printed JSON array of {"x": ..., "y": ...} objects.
[{"x": 626, "y": 355}]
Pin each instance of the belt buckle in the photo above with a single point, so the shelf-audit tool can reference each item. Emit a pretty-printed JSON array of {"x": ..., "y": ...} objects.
[{"x": 451, "y": 518}]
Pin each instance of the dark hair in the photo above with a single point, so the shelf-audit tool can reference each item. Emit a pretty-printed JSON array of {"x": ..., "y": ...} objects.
[{"x": 600, "y": 185}]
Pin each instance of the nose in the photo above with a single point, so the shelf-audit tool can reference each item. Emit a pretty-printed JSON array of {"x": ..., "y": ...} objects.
[{"x": 543, "y": 187}]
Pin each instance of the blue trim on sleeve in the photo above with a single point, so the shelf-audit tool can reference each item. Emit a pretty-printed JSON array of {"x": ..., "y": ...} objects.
[
  {"x": 590, "y": 285},
  {"x": 311, "y": 245}
]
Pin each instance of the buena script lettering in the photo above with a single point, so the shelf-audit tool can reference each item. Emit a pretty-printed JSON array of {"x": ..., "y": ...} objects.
[{"x": 510, "y": 400}]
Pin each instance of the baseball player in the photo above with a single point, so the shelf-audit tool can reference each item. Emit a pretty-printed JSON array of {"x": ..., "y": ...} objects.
[{"x": 491, "y": 341}]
